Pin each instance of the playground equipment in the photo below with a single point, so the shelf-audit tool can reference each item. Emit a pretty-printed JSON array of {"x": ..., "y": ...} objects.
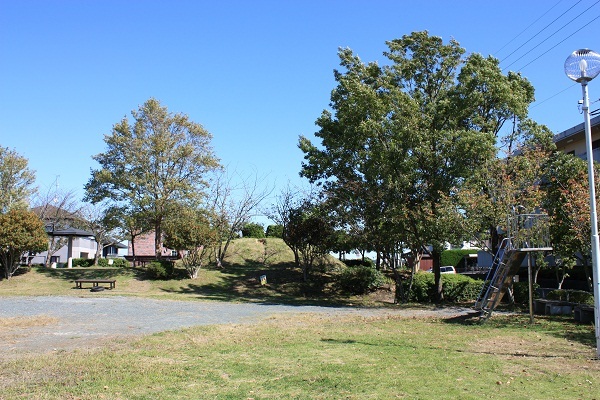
[{"x": 526, "y": 233}]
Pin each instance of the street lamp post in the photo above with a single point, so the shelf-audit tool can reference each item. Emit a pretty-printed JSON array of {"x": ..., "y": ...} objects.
[{"x": 582, "y": 66}]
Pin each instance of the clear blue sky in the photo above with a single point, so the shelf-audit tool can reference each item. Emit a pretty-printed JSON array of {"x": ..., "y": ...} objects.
[{"x": 256, "y": 74}]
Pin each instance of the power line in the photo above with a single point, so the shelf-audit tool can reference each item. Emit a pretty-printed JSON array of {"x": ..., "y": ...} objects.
[
  {"x": 529, "y": 26},
  {"x": 546, "y": 52},
  {"x": 540, "y": 31},
  {"x": 555, "y": 32},
  {"x": 553, "y": 96}
]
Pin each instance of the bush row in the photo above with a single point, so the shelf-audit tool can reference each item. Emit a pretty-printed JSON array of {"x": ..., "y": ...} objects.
[
  {"x": 102, "y": 262},
  {"x": 457, "y": 288},
  {"x": 360, "y": 279},
  {"x": 575, "y": 296}
]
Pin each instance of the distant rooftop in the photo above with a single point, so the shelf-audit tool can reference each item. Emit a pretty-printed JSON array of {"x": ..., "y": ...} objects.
[{"x": 576, "y": 130}]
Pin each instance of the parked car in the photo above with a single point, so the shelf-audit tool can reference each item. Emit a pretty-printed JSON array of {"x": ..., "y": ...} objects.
[{"x": 447, "y": 269}]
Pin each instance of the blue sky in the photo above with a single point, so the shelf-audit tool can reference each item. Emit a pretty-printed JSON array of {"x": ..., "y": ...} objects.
[{"x": 256, "y": 74}]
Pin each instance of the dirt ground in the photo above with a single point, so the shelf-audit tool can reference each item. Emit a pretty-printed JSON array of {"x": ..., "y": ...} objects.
[{"x": 63, "y": 323}]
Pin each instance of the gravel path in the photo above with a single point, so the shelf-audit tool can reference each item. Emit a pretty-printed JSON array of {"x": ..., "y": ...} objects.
[{"x": 78, "y": 322}]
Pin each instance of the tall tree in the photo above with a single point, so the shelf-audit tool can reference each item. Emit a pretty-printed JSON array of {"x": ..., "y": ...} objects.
[
  {"x": 567, "y": 201},
  {"x": 232, "y": 205},
  {"x": 190, "y": 232},
  {"x": 58, "y": 209},
  {"x": 16, "y": 180},
  {"x": 160, "y": 161},
  {"x": 100, "y": 220},
  {"x": 21, "y": 231},
  {"x": 410, "y": 133}
]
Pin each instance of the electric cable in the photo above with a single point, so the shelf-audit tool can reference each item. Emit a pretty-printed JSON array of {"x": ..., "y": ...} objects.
[
  {"x": 529, "y": 26},
  {"x": 555, "y": 32}
]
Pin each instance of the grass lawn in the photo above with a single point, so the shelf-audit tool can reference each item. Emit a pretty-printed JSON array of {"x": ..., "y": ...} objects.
[
  {"x": 297, "y": 357},
  {"x": 316, "y": 357}
]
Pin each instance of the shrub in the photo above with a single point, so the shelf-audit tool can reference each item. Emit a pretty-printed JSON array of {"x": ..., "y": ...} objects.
[
  {"x": 575, "y": 296},
  {"x": 367, "y": 262},
  {"x": 454, "y": 256},
  {"x": 275, "y": 231},
  {"x": 253, "y": 230},
  {"x": 120, "y": 263},
  {"x": 521, "y": 292},
  {"x": 103, "y": 262},
  {"x": 457, "y": 288},
  {"x": 82, "y": 262},
  {"x": 160, "y": 269},
  {"x": 360, "y": 279}
]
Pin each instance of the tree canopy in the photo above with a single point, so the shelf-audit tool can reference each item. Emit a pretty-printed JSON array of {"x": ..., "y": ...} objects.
[
  {"x": 402, "y": 138},
  {"x": 21, "y": 231},
  {"x": 16, "y": 180},
  {"x": 152, "y": 165}
]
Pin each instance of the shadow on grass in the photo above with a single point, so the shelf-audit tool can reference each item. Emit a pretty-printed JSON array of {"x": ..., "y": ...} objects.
[
  {"x": 559, "y": 326},
  {"x": 71, "y": 274},
  {"x": 284, "y": 285}
]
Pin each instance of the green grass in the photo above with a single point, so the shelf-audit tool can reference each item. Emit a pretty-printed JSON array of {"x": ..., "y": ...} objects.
[
  {"x": 297, "y": 357},
  {"x": 247, "y": 260},
  {"x": 316, "y": 357}
]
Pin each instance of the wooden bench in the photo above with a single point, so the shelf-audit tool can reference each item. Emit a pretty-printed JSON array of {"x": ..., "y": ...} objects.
[{"x": 95, "y": 282}]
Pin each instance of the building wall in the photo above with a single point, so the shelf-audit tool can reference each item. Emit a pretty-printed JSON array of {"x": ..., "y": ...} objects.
[
  {"x": 81, "y": 247},
  {"x": 144, "y": 246}
]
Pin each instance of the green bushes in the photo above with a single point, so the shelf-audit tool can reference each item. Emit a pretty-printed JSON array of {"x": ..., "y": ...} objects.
[
  {"x": 521, "y": 292},
  {"x": 102, "y": 262},
  {"x": 360, "y": 279},
  {"x": 275, "y": 231},
  {"x": 454, "y": 256},
  {"x": 575, "y": 296},
  {"x": 457, "y": 288},
  {"x": 82, "y": 262},
  {"x": 253, "y": 230},
  {"x": 160, "y": 269},
  {"x": 367, "y": 262}
]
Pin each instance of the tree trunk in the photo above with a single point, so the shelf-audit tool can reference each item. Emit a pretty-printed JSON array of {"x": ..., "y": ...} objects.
[
  {"x": 157, "y": 241},
  {"x": 98, "y": 253},
  {"x": 436, "y": 255}
]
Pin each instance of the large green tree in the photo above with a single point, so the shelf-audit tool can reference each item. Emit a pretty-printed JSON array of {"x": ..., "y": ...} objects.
[
  {"x": 153, "y": 164},
  {"x": 16, "y": 180},
  {"x": 402, "y": 138},
  {"x": 21, "y": 231}
]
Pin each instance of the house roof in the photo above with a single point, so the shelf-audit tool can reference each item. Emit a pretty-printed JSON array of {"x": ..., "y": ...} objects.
[
  {"x": 575, "y": 133},
  {"x": 70, "y": 231}
]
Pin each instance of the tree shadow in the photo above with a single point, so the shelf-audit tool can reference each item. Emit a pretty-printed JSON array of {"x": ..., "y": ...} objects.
[
  {"x": 283, "y": 284},
  {"x": 559, "y": 326}
]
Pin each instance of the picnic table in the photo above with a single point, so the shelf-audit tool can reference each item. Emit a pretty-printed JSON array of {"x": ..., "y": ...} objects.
[{"x": 95, "y": 282}]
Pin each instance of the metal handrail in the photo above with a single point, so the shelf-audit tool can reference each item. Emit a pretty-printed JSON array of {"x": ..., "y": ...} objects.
[{"x": 505, "y": 245}]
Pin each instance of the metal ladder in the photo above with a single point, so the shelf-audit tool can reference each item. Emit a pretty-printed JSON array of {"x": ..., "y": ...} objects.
[{"x": 507, "y": 262}]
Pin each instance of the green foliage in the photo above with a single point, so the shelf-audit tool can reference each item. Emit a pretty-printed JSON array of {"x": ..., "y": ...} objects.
[
  {"x": 574, "y": 296},
  {"x": 119, "y": 263},
  {"x": 154, "y": 164},
  {"x": 103, "y": 262},
  {"x": 16, "y": 180},
  {"x": 253, "y": 230},
  {"x": 21, "y": 231},
  {"x": 360, "y": 279},
  {"x": 367, "y": 262},
  {"x": 82, "y": 262},
  {"x": 160, "y": 269},
  {"x": 521, "y": 292},
  {"x": 454, "y": 256},
  {"x": 457, "y": 288},
  {"x": 275, "y": 231}
]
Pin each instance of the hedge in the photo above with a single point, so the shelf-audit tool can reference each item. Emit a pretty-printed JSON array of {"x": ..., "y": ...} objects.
[
  {"x": 575, "y": 296},
  {"x": 457, "y": 288},
  {"x": 454, "y": 256}
]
